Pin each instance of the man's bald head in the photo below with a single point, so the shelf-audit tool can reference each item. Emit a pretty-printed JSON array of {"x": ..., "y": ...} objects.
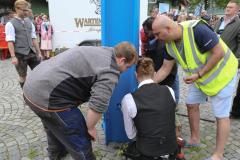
[
  {"x": 161, "y": 21},
  {"x": 164, "y": 28}
]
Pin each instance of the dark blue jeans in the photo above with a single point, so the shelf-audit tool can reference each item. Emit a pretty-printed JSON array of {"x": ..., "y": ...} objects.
[
  {"x": 66, "y": 131},
  {"x": 236, "y": 102}
]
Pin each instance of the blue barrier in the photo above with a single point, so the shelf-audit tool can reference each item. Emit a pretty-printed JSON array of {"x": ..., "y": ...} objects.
[{"x": 120, "y": 22}]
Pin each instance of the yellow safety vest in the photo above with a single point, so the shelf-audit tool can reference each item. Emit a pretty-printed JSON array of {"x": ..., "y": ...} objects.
[{"x": 192, "y": 60}]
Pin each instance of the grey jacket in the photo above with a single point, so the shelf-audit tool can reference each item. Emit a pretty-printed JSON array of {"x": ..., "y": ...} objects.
[
  {"x": 75, "y": 76},
  {"x": 231, "y": 34}
]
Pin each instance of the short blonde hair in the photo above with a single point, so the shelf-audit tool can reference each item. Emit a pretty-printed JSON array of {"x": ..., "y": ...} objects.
[{"x": 19, "y": 3}]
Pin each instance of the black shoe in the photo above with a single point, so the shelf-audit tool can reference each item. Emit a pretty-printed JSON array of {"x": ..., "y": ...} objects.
[
  {"x": 58, "y": 156},
  {"x": 62, "y": 154}
]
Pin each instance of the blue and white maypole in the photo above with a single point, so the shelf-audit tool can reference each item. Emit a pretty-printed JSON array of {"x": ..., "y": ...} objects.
[{"x": 120, "y": 22}]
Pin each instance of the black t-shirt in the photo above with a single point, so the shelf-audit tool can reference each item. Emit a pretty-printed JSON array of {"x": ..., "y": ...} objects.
[
  {"x": 205, "y": 39},
  {"x": 155, "y": 52}
]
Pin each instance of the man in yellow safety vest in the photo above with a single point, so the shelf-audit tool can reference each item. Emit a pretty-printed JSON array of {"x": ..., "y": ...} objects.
[{"x": 211, "y": 70}]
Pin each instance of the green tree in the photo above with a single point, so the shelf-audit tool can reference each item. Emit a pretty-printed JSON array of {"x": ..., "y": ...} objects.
[
  {"x": 195, "y": 2},
  {"x": 223, "y": 3}
]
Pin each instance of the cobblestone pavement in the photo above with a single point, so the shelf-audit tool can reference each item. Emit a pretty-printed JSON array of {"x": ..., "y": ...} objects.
[{"x": 22, "y": 136}]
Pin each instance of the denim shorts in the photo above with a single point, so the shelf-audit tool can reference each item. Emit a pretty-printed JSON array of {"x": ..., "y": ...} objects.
[{"x": 221, "y": 103}]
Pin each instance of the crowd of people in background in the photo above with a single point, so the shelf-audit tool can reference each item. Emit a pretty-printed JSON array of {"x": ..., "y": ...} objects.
[
  {"x": 43, "y": 29},
  {"x": 44, "y": 33},
  {"x": 179, "y": 17}
]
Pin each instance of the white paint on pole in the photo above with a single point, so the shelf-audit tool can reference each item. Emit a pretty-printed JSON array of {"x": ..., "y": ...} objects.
[
  {"x": 143, "y": 17},
  {"x": 143, "y": 11}
]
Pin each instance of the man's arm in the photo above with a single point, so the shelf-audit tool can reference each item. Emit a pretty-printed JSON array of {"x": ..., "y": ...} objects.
[
  {"x": 101, "y": 92},
  {"x": 164, "y": 71},
  {"x": 217, "y": 53},
  {"x": 12, "y": 52},
  {"x": 36, "y": 46},
  {"x": 237, "y": 54},
  {"x": 92, "y": 118},
  {"x": 206, "y": 40},
  {"x": 10, "y": 38},
  {"x": 11, "y": 48}
]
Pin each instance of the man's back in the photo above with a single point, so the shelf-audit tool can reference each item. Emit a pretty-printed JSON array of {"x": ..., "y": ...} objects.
[{"x": 67, "y": 79}]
